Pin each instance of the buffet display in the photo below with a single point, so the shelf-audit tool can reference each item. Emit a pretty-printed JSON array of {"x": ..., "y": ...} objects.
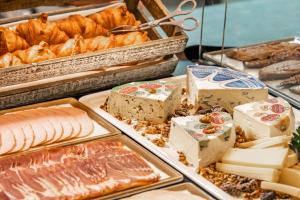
[
  {"x": 226, "y": 128},
  {"x": 276, "y": 63}
]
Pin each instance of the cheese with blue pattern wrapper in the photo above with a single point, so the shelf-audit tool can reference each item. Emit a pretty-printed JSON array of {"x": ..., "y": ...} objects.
[{"x": 210, "y": 86}]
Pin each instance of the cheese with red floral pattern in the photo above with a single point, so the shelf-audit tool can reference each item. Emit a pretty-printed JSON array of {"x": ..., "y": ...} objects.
[
  {"x": 203, "y": 141},
  {"x": 273, "y": 117},
  {"x": 152, "y": 100}
]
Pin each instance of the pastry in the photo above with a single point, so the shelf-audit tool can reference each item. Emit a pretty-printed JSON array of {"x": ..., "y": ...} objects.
[{"x": 10, "y": 41}]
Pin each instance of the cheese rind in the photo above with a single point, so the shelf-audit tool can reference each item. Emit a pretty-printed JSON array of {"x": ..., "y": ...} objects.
[
  {"x": 210, "y": 86},
  {"x": 290, "y": 176},
  {"x": 266, "y": 174},
  {"x": 262, "y": 119},
  {"x": 153, "y": 100},
  {"x": 293, "y": 191},
  {"x": 190, "y": 136},
  {"x": 269, "y": 158}
]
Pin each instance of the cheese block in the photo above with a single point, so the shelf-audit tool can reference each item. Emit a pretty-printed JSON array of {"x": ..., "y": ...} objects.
[
  {"x": 273, "y": 142},
  {"x": 202, "y": 143},
  {"x": 292, "y": 159},
  {"x": 293, "y": 191},
  {"x": 266, "y": 174},
  {"x": 153, "y": 100},
  {"x": 273, "y": 117},
  {"x": 290, "y": 176},
  {"x": 271, "y": 157},
  {"x": 210, "y": 86}
]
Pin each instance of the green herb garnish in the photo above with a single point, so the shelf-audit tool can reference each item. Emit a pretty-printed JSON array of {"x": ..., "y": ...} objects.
[{"x": 295, "y": 142}]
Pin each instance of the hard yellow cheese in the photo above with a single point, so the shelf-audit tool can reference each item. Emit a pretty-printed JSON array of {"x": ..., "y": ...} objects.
[
  {"x": 274, "y": 141},
  {"x": 270, "y": 158},
  {"x": 291, "y": 177},
  {"x": 292, "y": 160},
  {"x": 266, "y": 174},
  {"x": 293, "y": 191}
]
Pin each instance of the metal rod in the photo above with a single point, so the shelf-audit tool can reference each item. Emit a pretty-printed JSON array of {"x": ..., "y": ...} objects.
[
  {"x": 224, "y": 30},
  {"x": 201, "y": 30}
]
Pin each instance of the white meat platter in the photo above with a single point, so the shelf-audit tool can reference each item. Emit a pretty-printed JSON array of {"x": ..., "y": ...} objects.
[{"x": 169, "y": 155}]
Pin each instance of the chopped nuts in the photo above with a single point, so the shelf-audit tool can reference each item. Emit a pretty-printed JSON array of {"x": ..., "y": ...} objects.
[
  {"x": 182, "y": 158},
  {"x": 159, "y": 142},
  {"x": 206, "y": 119},
  {"x": 152, "y": 90}
]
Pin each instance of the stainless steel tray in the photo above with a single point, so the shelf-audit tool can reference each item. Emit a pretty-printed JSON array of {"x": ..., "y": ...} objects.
[{"x": 274, "y": 89}]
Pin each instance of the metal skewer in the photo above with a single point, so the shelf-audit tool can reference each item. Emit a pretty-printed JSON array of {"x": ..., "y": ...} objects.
[{"x": 224, "y": 30}]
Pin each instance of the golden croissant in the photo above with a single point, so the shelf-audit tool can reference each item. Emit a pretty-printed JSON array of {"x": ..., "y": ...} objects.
[
  {"x": 10, "y": 41},
  {"x": 77, "y": 24},
  {"x": 131, "y": 38},
  {"x": 36, "y": 53},
  {"x": 36, "y": 30},
  {"x": 9, "y": 59},
  {"x": 114, "y": 17},
  {"x": 70, "y": 47}
]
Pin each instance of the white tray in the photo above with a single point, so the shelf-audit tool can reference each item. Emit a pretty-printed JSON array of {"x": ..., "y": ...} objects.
[{"x": 169, "y": 155}]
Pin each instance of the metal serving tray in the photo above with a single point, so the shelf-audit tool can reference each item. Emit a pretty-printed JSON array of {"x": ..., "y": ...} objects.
[
  {"x": 101, "y": 127},
  {"x": 274, "y": 88}
]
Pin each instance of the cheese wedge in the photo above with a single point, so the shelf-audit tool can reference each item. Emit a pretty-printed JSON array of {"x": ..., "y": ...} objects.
[
  {"x": 293, "y": 191},
  {"x": 266, "y": 174},
  {"x": 274, "y": 141},
  {"x": 264, "y": 119},
  {"x": 290, "y": 176},
  {"x": 202, "y": 143},
  {"x": 292, "y": 159},
  {"x": 153, "y": 100},
  {"x": 271, "y": 157},
  {"x": 210, "y": 86}
]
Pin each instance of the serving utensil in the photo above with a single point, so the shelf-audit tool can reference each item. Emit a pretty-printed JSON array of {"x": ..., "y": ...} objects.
[{"x": 182, "y": 23}]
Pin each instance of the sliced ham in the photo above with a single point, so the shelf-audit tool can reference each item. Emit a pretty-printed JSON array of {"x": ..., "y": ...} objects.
[
  {"x": 65, "y": 123},
  {"x": 75, "y": 124},
  {"x": 16, "y": 129},
  {"x": 8, "y": 141},
  {"x": 43, "y": 120},
  {"x": 27, "y": 129},
  {"x": 36, "y": 125},
  {"x": 56, "y": 123},
  {"x": 82, "y": 117}
]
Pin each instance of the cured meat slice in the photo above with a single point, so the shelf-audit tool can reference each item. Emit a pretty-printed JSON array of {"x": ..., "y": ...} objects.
[
  {"x": 17, "y": 131},
  {"x": 55, "y": 123},
  {"x": 27, "y": 129},
  {"x": 43, "y": 119},
  {"x": 40, "y": 133},
  {"x": 82, "y": 117},
  {"x": 8, "y": 141},
  {"x": 75, "y": 124}
]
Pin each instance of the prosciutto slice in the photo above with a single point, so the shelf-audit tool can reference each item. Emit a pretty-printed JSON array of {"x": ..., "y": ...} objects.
[{"x": 74, "y": 172}]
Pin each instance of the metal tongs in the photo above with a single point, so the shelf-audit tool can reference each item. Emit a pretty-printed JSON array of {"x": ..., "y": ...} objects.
[{"x": 163, "y": 21}]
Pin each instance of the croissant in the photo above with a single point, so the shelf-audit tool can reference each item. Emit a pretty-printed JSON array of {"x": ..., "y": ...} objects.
[
  {"x": 35, "y": 53},
  {"x": 9, "y": 59},
  {"x": 114, "y": 17},
  {"x": 36, "y": 30},
  {"x": 70, "y": 47},
  {"x": 131, "y": 38},
  {"x": 97, "y": 43},
  {"x": 10, "y": 41},
  {"x": 77, "y": 24}
]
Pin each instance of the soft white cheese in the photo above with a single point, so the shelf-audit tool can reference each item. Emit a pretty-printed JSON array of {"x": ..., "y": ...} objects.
[
  {"x": 200, "y": 146},
  {"x": 210, "y": 86},
  {"x": 262, "y": 119},
  {"x": 153, "y": 100}
]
